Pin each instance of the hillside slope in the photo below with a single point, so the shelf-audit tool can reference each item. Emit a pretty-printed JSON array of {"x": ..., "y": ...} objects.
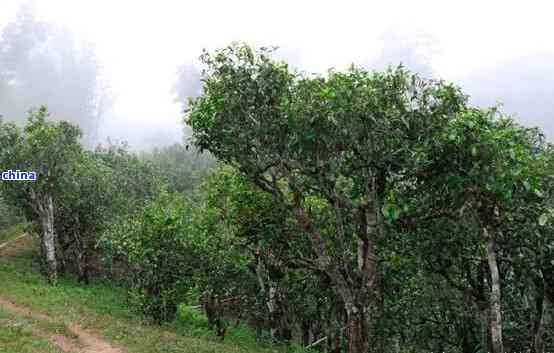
[{"x": 37, "y": 318}]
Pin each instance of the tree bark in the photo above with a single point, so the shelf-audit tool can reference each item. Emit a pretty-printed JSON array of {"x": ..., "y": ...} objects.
[
  {"x": 538, "y": 342},
  {"x": 482, "y": 304},
  {"x": 495, "y": 299},
  {"x": 357, "y": 336},
  {"x": 484, "y": 328},
  {"x": 275, "y": 300},
  {"x": 43, "y": 205},
  {"x": 81, "y": 254},
  {"x": 306, "y": 333},
  {"x": 48, "y": 238},
  {"x": 279, "y": 327}
]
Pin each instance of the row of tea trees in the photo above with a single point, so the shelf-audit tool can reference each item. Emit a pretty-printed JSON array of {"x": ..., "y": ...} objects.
[
  {"x": 353, "y": 212},
  {"x": 399, "y": 194}
]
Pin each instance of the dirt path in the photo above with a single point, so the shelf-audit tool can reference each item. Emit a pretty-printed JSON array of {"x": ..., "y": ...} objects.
[
  {"x": 86, "y": 342},
  {"x": 16, "y": 246},
  {"x": 13, "y": 240}
]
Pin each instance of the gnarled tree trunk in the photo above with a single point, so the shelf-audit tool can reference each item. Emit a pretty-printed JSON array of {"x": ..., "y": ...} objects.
[
  {"x": 357, "y": 334},
  {"x": 275, "y": 300},
  {"x": 43, "y": 206},
  {"x": 353, "y": 280}
]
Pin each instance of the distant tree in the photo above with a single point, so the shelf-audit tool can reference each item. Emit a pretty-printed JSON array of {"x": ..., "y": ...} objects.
[
  {"x": 183, "y": 166},
  {"x": 136, "y": 179},
  {"x": 41, "y": 64}
]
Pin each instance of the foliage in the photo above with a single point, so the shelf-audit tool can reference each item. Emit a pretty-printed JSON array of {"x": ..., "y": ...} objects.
[
  {"x": 364, "y": 211},
  {"x": 136, "y": 180},
  {"x": 102, "y": 307},
  {"x": 363, "y": 164},
  {"x": 324, "y": 143},
  {"x": 42, "y": 146},
  {"x": 49, "y": 149},
  {"x": 11, "y": 220},
  {"x": 182, "y": 167},
  {"x": 154, "y": 244},
  {"x": 85, "y": 206}
]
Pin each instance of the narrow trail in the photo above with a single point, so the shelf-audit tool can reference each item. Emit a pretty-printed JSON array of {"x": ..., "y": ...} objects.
[
  {"x": 11, "y": 241},
  {"x": 64, "y": 343},
  {"x": 86, "y": 342}
]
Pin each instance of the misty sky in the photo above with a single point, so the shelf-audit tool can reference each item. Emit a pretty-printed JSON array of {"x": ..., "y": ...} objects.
[{"x": 497, "y": 50}]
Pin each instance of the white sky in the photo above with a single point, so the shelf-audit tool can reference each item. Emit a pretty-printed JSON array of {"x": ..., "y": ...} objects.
[{"x": 140, "y": 43}]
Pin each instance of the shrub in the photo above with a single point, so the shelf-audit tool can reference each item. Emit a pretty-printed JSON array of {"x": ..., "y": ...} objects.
[{"x": 154, "y": 246}]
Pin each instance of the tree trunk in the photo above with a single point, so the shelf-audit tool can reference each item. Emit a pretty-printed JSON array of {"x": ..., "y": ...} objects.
[
  {"x": 479, "y": 291},
  {"x": 538, "y": 342},
  {"x": 275, "y": 300},
  {"x": 467, "y": 333},
  {"x": 357, "y": 331},
  {"x": 43, "y": 206},
  {"x": 484, "y": 328},
  {"x": 306, "y": 333},
  {"x": 81, "y": 253},
  {"x": 279, "y": 327},
  {"x": 353, "y": 282},
  {"x": 210, "y": 308},
  {"x": 495, "y": 299},
  {"x": 467, "y": 346},
  {"x": 396, "y": 340},
  {"x": 335, "y": 345},
  {"x": 49, "y": 239}
]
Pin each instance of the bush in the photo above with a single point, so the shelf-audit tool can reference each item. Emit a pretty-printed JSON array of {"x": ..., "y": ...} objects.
[
  {"x": 8, "y": 215},
  {"x": 154, "y": 246},
  {"x": 193, "y": 319}
]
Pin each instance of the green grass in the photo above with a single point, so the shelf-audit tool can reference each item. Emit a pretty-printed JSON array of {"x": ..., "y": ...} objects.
[
  {"x": 16, "y": 336},
  {"x": 101, "y": 307},
  {"x": 12, "y": 232}
]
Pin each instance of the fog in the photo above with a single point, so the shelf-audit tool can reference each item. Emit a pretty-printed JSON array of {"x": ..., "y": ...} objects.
[
  {"x": 524, "y": 86},
  {"x": 123, "y": 71},
  {"x": 41, "y": 63},
  {"x": 412, "y": 50}
]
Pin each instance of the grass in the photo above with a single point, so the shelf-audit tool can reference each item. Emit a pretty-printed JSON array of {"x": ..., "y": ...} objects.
[
  {"x": 101, "y": 308},
  {"x": 12, "y": 232},
  {"x": 16, "y": 336}
]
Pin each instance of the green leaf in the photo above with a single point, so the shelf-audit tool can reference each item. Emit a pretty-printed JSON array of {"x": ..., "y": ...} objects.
[
  {"x": 526, "y": 185},
  {"x": 395, "y": 213},
  {"x": 512, "y": 154},
  {"x": 385, "y": 211},
  {"x": 538, "y": 193},
  {"x": 543, "y": 219}
]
